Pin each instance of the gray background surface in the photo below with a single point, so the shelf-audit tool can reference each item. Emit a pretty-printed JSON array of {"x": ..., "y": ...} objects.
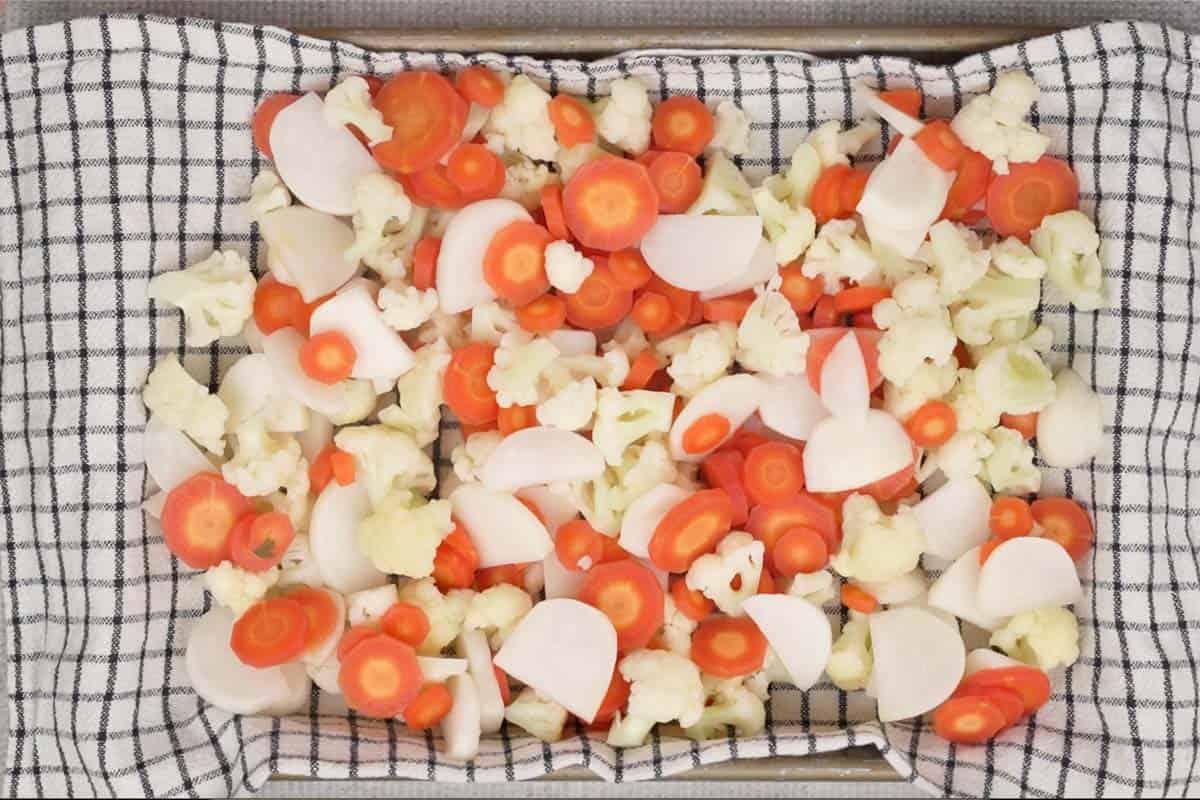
[{"x": 1184, "y": 14}]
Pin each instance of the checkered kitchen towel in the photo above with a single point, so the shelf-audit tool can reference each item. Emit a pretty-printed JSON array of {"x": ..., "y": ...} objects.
[{"x": 126, "y": 150}]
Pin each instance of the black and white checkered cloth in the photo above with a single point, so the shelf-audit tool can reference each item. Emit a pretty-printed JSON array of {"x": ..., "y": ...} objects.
[{"x": 126, "y": 149}]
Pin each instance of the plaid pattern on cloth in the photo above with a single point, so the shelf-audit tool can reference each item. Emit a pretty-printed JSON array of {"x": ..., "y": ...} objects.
[{"x": 126, "y": 151}]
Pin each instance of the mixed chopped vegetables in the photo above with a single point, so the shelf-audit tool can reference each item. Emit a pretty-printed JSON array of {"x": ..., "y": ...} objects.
[{"x": 699, "y": 417}]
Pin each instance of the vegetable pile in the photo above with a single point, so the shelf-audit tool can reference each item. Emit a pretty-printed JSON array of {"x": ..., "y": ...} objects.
[{"x": 699, "y": 417}]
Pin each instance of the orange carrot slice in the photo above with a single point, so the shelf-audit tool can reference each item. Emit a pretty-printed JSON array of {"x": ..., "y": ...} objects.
[
  {"x": 270, "y": 633},
  {"x": 198, "y": 517},
  {"x": 1064, "y": 521},
  {"x": 1010, "y": 517},
  {"x": 427, "y": 117},
  {"x": 600, "y": 302},
  {"x": 259, "y": 541},
  {"x": 573, "y": 123},
  {"x": 425, "y": 256},
  {"x": 690, "y": 529},
  {"x": 629, "y": 268},
  {"x": 543, "y": 314},
  {"x": 967, "y": 720},
  {"x": 610, "y": 203},
  {"x": 465, "y": 385},
  {"x": 682, "y": 124},
  {"x": 1019, "y": 201},
  {"x": 515, "y": 262},
  {"x": 380, "y": 676},
  {"x": 692, "y": 603},
  {"x": 677, "y": 179},
  {"x": 728, "y": 647},
  {"x": 630, "y": 596},
  {"x": 478, "y": 84},
  {"x": 328, "y": 357},
  {"x": 932, "y": 424},
  {"x": 431, "y": 705},
  {"x": 800, "y": 550},
  {"x": 405, "y": 622},
  {"x": 576, "y": 541}
]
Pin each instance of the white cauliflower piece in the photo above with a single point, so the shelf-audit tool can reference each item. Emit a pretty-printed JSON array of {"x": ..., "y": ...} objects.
[
  {"x": 539, "y": 717},
  {"x": 677, "y": 627},
  {"x": 496, "y": 611},
  {"x": 262, "y": 461},
  {"x": 608, "y": 369},
  {"x": 851, "y": 662},
  {"x": 815, "y": 587},
  {"x": 604, "y": 499},
  {"x": 369, "y": 605},
  {"x": 769, "y": 338},
  {"x": 490, "y": 321},
  {"x": 517, "y": 368},
  {"x": 522, "y": 118},
  {"x": 803, "y": 170},
  {"x": 358, "y": 402},
  {"x": 928, "y": 382},
  {"x": 790, "y": 230},
  {"x": 1070, "y": 246},
  {"x": 445, "y": 612},
  {"x": 349, "y": 103},
  {"x": 566, "y": 267},
  {"x": 738, "y": 555},
  {"x": 418, "y": 407},
  {"x": 386, "y": 459},
  {"x": 391, "y": 253},
  {"x": 994, "y": 124},
  {"x": 236, "y": 588},
  {"x": 731, "y": 133},
  {"x": 406, "y": 308},
  {"x": 472, "y": 453},
  {"x": 1015, "y": 258},
  {"x": 732, "y": 704},
  {"x": 1014, "y": 380},
  {"x": 876, "y": 546},
  {"x": 663, "y": 687},
  {"x": 178, "y": 400},
  {"x": 623, "y": 118},
  {"x": 379, "y": 204},
  {"x": 294, "y": 498},
  {"x": 401, "y": 535},
  {"x": 700, "y": 356},
  {"x": 838, "y": 253},
  {"x": 267, "y": 194},
  {"x": 477, "y": 117},
  {"x": 917, "y": 330},
  {"x": 570, "y": 408},
  {"x": 450, "y": 329},
  {"x": 834, "y": 146},
  {"x": 524, "y": 181},
  {"x": 1045, "y": 637},
  {"x": 623, "y": 418},
  {"x": 991, "y": 301},
  {"x": 962, "y": 456},
  {"x": 958, "y": 257},
  {"x": 1009, "y": 467},
  {"x": 973, "y": 410},
  {"x": 724, "y": 191},
  {"x": 298, "y": 566},
  {"x": 215, "y": 295}
]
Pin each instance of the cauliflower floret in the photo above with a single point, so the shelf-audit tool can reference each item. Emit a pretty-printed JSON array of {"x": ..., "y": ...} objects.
[
  {"x": 1014, "y": 258},
  {"x": 699, "y": 356},
  {"x": 803, "y": 170},
  {"x": 445, "y": 612},
  {"x": 850, "y": 661},
  {"x": 1069, "y": 245},
  {"x": 237, "y": 589},
  {"x": 490, "y": 321},
  {"x": 1045, "y": 637},
  {"x": 732, "y": 131},
  {"x": 469, "y": 457},
  {"x": 379, "y": 203},
  {"x": 917, "y": 329},
  {"x": 178, "y": 400},
  {"x": 294, "y": 498},
  {"x": 994, "y": 124},
  {"x": 566, "y": 267},
  {"x": 603, "y": 500},
  {"x": 958, "y": 257},
  {"x": 663, "y": 687},
  {"x": 1014, "y": 380},
  {"x": 815, "y": 587},
  {"x": 876, "y": 546},
  {"x": 517, "y": 368},
  {"x": 267, "y": 194},
  {"x": 262, "y": 461},
  {"x": 608, "y": 369},
  {"x": 738, "y": 555},
  {"x": 524, "y": 181},
  {"x": 677, "y": 627},
  {"x": 1010, "y": 466},
  {"x": 541, "y": 718},
  {"x": 962, "y": 456},
  {"x": 732, "y": 704},
  {"x": 358, "y": 402},
  {"x": 973, "y": 410},
  {"x": 349, "y": 103},
  {"x": 450, "y": 329},
  {"x": 496, "y": 611},
  {"x": 623, "y": 418},
  {"x": 834, "y": 146},
  {"x": 406, "y": 308},
  {"x": 928, "y": 382},
  {"x": 417, "y": 411},
  {"x": 769, "y": 338},
  {"x": 215, "y": 295},
  {"x": 994, "y": 299},
  {"x": 522, "y": 118},
  {"x": 402, "y": 534},
  {"x": 570, "y": 408},
  {"x": 838, "y": 253},
  {"x": 391, "y": 252},
  {"x": 724, "y": 191},
  {"x": 790, "y": 230},
  {"x": 572, "y": 158},
  {"x": 386, "y": 458},
  {"x": 368, "y": 605},
  {"x": 623, "y": 118}
]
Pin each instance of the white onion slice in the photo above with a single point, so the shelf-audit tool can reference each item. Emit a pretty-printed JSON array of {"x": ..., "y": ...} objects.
[
  {"x": 316, "y": 437},
  {"x": 379, "y": 352},
  {"x": 1026, "y": 573},
  {"x": 762, "y": 268},
  {"x": 538, "y": 455},
  {"x": 299, "y": 693},
  {"x": 700, "y": 252},
  {"x": 904, "y": 195},
  {"x": 735, "y": 397},
  {"x": 560, "y": 581},
  {"x": 905, "y": 589},
  {"x": 956, "y": 592},
  {"x": 1070, "y": 431},
  {"x": 846, "y": 453},
  {"x": 790, "y": 406},
  {"x": 435, "y": 669},
  {"x": 844, "y": 388},
  {"x": 566, "y": 651},
  {"x": 644, "y": 514},
  {"x": 309, "y": 247},
  {"x": 502, "y": 529},
  {"x": 797, "y": 631},
  {"x": 171, "y": 457},
  {"x": 320, "y": 163},
  {"x": 954, "y": 518},
  {"x": 460, "y": 728},
  {"x": 903, "y": 123},
  {"x": 325, "y": 675},
  {"x": 460, "y": 283},
  {"x": 985, "y": 658},
  {"x": 249, "y": 388},
  {"x": 919, "y": 660},
  {"x": 282, "y": 348},
  {"x": 219, "y": 676},
  {"x": 473, "y": 646},
  {"x": 556, "y": 504},
  {"x": 333, "y": 537}
]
